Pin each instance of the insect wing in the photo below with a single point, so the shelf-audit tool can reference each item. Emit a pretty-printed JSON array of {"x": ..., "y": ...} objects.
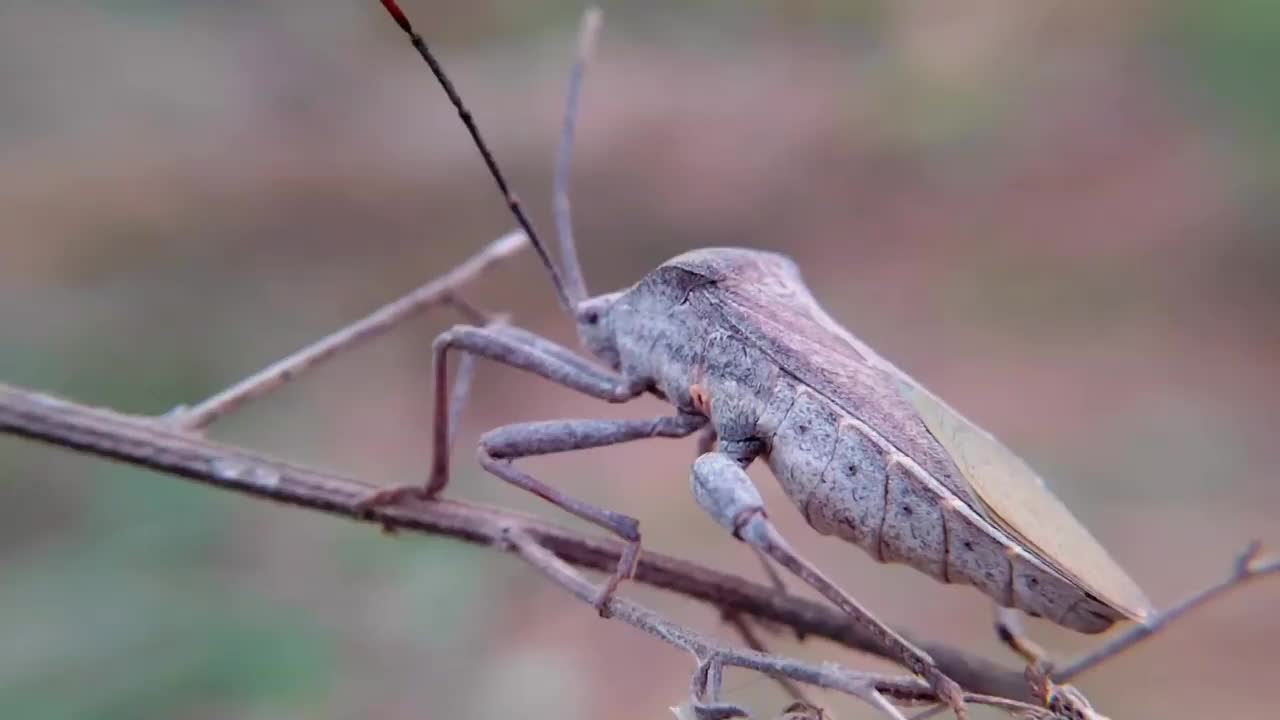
[
  {"x": 1017, "y": 499},
  {"x": 763, "y": 297}
]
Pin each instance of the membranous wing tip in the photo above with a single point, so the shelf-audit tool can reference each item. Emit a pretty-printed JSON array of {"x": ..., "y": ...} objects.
[{"x": 1018, "y": 502}]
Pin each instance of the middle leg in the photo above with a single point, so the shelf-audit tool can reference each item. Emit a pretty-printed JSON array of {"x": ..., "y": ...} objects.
[
  {"x": 500, "y": 448},
  {"x": 517, "y": 348}
]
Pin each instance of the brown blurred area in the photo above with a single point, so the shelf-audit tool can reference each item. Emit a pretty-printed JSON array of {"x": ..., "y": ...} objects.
[{"x": 1059, "y": 217}]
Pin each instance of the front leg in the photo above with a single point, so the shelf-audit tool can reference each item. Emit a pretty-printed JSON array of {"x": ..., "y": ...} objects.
[
  {"x": 516, "y": 348},
  {"x": 723, "y": 489},
  {"x": 501, "y": 447},
  {"x": 520, "y": 349}
]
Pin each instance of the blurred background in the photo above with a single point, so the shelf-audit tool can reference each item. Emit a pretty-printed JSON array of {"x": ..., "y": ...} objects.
[{"x": 1061, "y": 217}]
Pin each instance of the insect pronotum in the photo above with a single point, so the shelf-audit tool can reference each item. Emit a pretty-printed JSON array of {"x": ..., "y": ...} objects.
[{"x": 733, "y": 339}]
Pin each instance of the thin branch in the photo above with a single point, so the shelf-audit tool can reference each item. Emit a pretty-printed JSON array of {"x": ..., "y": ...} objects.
[
  {"x": 753, "y": 641},
  {"x": 157, "y": 445},
  {"x": 437, "y": 292},
  {"x": 709, "y": 653},
  {"x": 873, "y": 688},
  {"x": 160, "y": 446},
  {"x": 1247, "y": 567}
]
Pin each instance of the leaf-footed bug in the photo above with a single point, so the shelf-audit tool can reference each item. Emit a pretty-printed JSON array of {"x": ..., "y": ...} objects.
[{"x": 734, "y": 340}]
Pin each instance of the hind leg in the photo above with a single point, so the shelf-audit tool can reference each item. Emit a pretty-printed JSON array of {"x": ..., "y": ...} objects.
[
  {"x": 723, "y": 489},
  {"x": 1062, "y": 700}
]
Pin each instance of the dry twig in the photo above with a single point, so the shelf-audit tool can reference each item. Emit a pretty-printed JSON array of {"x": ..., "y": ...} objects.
[
  {"x": 158, "y": 445},
  {"x": 873, "y": 688},
  {"x": 1247, "y": 566},
  {"x": 710, "y": 654},
  {"x": 439, "y": 291},
  {"x": 753, "y": 641},
  {"x": 155, "y": 444}
]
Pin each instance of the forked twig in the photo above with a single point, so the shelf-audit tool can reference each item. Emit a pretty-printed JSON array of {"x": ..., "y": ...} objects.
[
  {"x": 869, "y": 687},
  {"x": 437, "y": 292},
  {"x": 873, "y": 688},
  {"x": 1246, "y": 567},
  {"x": 148, "y": 443}
]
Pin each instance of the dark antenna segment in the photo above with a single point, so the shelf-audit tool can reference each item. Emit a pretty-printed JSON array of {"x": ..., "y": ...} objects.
[{"x": 512, "y": 201}]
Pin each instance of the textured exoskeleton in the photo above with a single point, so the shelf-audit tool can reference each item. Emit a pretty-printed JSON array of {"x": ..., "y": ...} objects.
[
  {"x": 863, "y": 451},
  {"x": 733, "y": 339}
]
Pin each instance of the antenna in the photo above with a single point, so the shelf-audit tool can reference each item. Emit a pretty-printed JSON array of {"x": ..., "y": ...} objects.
[
  {"x": 513, "y": 203},
  {"x": 587, "y": 33}
]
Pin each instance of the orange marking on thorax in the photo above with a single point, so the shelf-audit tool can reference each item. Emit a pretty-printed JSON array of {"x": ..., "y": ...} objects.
[{"x": 701, "y": 399}]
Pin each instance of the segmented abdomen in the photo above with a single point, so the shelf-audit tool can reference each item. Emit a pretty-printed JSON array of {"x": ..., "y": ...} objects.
[{"x": 851, "y": 482}]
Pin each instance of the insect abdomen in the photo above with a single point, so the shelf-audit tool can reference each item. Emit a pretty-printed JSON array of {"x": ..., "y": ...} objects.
[{"x": 849, "y": 482}]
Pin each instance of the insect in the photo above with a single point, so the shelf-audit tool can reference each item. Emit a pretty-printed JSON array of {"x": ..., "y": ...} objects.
[{"x": 734, "y": 340}]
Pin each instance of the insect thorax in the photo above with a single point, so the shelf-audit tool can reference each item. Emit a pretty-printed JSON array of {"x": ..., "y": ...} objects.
[{"x": 665, "y": 332}]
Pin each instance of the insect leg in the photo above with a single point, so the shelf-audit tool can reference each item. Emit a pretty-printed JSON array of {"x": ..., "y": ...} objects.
[
  {"x": 707, "y": 443},
  {"x": 500, "y": 448},
  {"x": 517, "y": 348},
  {"x": 1009, "y": 630},
  {"x": 464, "y": 373},
  {"x": 552, "y": 349},
  {"x": 725, "y": 492},
  {"x": 1062, "y": 700}
]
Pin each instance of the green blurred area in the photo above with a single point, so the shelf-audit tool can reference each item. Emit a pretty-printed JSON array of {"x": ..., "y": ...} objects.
[{"x": 1060, "y": 217}]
